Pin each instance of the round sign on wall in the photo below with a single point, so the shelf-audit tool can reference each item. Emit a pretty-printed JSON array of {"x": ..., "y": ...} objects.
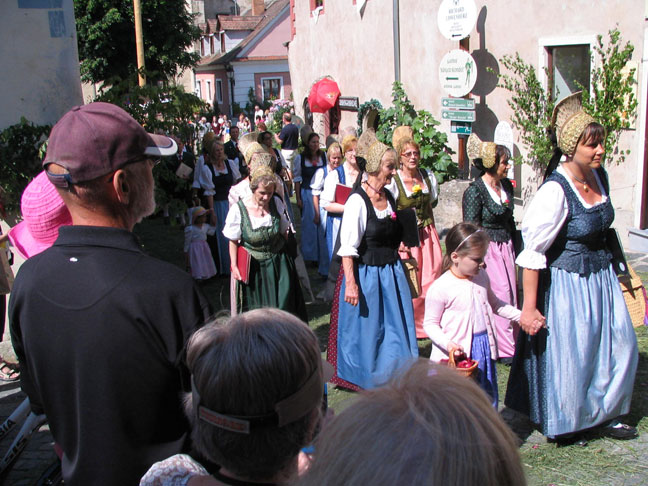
[
  {"x": 457, "y": 73},
  {"x": 456, "y": 18}
]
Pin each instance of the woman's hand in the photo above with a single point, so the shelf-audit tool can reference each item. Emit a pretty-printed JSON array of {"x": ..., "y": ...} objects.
[
  {"x": 212, "y": 218},
  {"x": 236, "y": 273},
  {"x": 300, "y": 205},
  {"x": 316, "y": 218},
  {"x": 531, "y": 321},
  {"x": 351, "y": 293},
  {"x": 404, "y": 249}
]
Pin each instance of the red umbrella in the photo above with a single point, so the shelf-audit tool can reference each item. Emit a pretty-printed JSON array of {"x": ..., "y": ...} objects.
[{"x": 323, "y": 95}]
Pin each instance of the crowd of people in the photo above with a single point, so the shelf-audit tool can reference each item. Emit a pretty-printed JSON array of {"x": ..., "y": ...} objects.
[{"x": 139, "y": 381}]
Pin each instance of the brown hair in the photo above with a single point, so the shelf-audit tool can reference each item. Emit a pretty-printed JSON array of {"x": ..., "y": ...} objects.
[
  {"x": 427, "y": 426},
  {"x": 594, "y": 134},
  {"x": 463, "y": 238},
  {"x": 244, "y": 365},
  {"x": 501, "y": 153}
]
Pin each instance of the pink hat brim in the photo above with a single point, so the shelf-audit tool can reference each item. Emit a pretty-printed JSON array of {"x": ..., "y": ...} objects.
[{"x": 24, "y": 242}]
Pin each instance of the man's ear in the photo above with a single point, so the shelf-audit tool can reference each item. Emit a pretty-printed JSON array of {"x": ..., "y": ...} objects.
[{"x": 121, "y": 186}]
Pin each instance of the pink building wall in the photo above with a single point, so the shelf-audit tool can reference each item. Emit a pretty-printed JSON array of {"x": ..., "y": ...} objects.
[
  {"x": 287, "y": 87},
  {"x": 272, "y": 45},
  {"x": 202, "y": 78}
]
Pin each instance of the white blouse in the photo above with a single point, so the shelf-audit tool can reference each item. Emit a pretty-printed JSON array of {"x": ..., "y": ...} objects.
[
  {"x": 354, "y": 224},
  {"x": 297, "y": 167},
  {"x": 205, "y": 176},
  {"x": 331, "y": 182},
  {"x": 232, "y": 229},
  {"x": 317, "y": 182},
  {"x": 544, "y": 219},
  {"x": 434, "y": 190},
  {"x": 503, "y": 199}
]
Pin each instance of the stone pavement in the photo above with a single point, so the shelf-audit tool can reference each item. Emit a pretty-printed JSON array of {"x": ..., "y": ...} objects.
[{"x": 39, "y": 454}]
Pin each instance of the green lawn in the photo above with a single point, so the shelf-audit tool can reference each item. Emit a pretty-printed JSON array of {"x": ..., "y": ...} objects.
[{"x": 603, "y": 462}]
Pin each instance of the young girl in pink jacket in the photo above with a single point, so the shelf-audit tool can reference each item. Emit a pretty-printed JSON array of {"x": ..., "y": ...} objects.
[{"x": 460, "y": 304}]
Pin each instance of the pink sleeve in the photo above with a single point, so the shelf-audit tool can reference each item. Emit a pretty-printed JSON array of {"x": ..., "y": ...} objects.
[{"x": 435, "y": 304}]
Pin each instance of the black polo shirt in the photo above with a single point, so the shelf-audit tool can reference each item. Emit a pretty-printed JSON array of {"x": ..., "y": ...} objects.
[
  {"x": 99, "y": 328},
  {"x": 289, "y": 137}
]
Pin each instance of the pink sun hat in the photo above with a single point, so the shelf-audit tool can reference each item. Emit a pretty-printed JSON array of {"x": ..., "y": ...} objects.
[{"x": 43, "y": 212}]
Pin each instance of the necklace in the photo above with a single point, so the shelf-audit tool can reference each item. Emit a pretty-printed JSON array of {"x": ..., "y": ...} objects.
[
  {"x": 379, "y": 192},
  {"x": 582, "y": 181}
]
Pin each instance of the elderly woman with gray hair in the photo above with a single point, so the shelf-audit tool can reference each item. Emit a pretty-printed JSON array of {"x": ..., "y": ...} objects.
[
  {"x": 251, "y": 412},
  {"x": 372, "y": 321}
]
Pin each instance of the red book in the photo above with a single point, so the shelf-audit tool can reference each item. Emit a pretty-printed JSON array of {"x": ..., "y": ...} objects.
[
  {"x": 342, "y": 193},
  {"x": 243, "y": 263}
]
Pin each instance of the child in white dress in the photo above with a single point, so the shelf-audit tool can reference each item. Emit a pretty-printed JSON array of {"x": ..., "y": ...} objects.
[{"x": 197, "y": 255}]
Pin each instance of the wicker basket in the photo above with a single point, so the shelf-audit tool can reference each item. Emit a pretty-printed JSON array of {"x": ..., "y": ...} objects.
[
  {"x": 467, "y": 372},
  {"x": 633, "y": 293}
]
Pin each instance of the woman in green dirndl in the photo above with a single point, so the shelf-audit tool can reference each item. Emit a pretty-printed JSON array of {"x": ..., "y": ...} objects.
[{"x": 259, "y": 223}]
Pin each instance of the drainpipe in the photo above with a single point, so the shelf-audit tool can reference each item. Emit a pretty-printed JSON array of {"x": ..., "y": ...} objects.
[{"x": 396, "y": 28}]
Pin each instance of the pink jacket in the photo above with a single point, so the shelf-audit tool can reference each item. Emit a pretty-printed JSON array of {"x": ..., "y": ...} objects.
[{"x": 448, "y": 311}]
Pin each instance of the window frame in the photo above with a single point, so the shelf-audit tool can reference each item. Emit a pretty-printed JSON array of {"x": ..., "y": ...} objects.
[
  {"x": 268, "y": 78},
  {"x": 209, "y": 91},
  {"x": 546, "y": 44},
  {"x": 218, "y": 91}
]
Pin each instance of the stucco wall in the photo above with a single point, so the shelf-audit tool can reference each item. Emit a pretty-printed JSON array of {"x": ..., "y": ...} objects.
[
  {"x": 357, "y": 51},
  {"x": 272, "y": 44},
  {"x": 41, "y": 63}
]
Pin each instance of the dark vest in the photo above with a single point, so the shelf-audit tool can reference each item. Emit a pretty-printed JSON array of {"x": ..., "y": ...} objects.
[
  {"x": 307, "y": 173},
  {"x": 222, "y": 182},
  {"x": 580, "y": 246},
  {"x": 382, "y": 237}
]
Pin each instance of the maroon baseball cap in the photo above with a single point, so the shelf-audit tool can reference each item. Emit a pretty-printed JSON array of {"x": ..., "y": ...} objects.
[{"x": 96, "y": 139}]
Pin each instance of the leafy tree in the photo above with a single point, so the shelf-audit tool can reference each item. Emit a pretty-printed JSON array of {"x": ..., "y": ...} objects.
[
  {"x": 435, "y": 153},
  {"x": 21, "y": 153},
  {"x": 106, "y": 33},
  {"x": 611, "y": 99},
  {"x": 532, "y": 108}
]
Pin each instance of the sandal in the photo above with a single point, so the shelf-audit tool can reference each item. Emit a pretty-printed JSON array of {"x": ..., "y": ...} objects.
[{"x": 9, "y": 372}]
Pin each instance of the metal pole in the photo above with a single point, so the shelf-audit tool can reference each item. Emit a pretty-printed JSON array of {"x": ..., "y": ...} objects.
[
  {"x": 396, "y": 41},
  {"x": 139, "y": 42}
]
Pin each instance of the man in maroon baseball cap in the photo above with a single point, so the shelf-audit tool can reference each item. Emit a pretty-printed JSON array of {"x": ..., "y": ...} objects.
[{"x": 98, "y": 326}]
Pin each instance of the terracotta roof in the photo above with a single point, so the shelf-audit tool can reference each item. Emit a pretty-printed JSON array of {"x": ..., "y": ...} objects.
[
  {"x": 237, "y": 22},
  {"x": 272, "y": 11},
  {"x": 209, "y": 27}
]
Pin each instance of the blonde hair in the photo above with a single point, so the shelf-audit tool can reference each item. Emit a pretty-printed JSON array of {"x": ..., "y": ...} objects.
[
  {"x": 427, "y": 426},
  {"x": 348, "y": 142}
]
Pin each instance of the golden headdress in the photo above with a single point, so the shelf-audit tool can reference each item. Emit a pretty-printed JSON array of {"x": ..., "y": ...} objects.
[
  {"x": 402, "y": 135},
  {"x": 486, "y": 151},
  {"x": 569, "y": 120},
  {"x": 248, "y": 145},
  {"x": 261, "y": 171},
  {"x": 371, "y": 149}
]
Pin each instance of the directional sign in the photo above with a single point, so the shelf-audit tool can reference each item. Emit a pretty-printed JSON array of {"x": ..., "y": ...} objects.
[
  {"x": 461, "y": 128},
  {"x": 456, "y": 115},
  {"x": 457, "y": 18},
  {"x": 461, "y": 103},
  {"x": 457, "y": 73}
]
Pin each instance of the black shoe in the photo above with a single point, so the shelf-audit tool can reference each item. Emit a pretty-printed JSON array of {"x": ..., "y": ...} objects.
[
  {"x": 620, "y": 431},
  {"x": 568, "y": 440}
]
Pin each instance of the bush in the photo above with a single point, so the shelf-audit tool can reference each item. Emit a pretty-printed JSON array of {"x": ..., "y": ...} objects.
[
  {"x": 435, "y": 153},
  {"x": 22, "y": 148}
]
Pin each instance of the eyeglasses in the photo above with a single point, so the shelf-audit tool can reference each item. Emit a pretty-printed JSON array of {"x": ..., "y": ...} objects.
[
  {"x": 411, "y": 154},
  {"x": 154, "y": 160}
]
